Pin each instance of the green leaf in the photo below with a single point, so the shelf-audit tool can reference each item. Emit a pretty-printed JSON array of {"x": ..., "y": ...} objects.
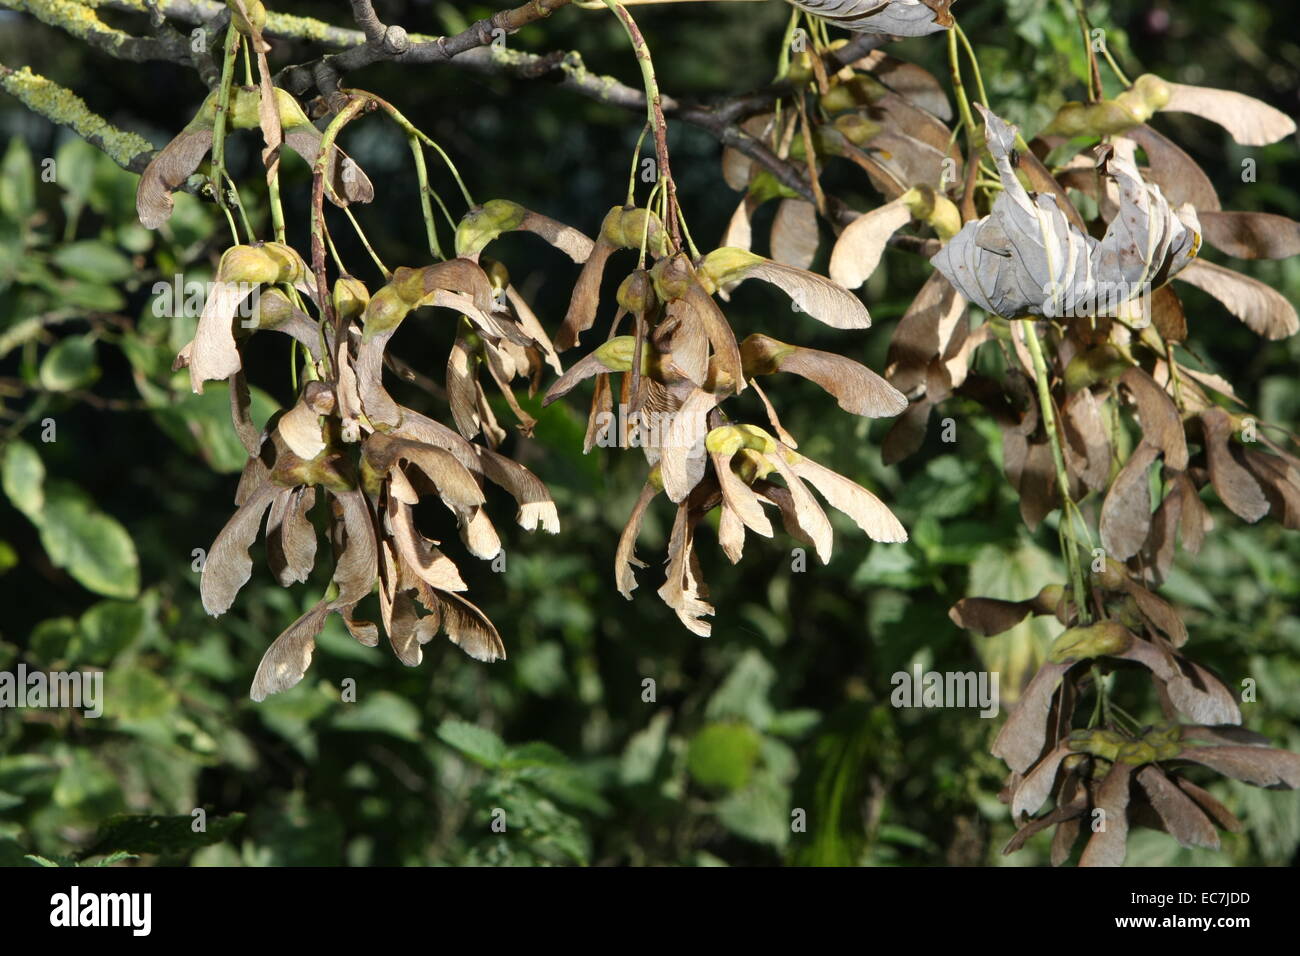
[
  {"x": 201, "y": 423},
  {"x": 291, "y": 714},
  {"x": 569, "y": 786},
  {"x": 112, "y": 193},
  {"x": 54, "y": 639},
  {"x": 535, "y": 754},
  {"x": 541, "y": 669},
  {"x": 109, "y": 628},
  {"x": 724, "y": 755},
  {"x": 32, "y": 270},
  {"x": 28, "y": 774},
  {"x": 12, "y": 253},
  {"x": 192, "y": 220},
  {"x": 794, "y": 723},
  {"x": 382, "y": 712},
  {"x": 74, "y": 166},
  {"x": 88, "y": 783},
  {"x": 743, "y": 694},
  {"x": 644, "y": 751},
  {"x": 22, "y": 474},
  {"x": 88, "y": 544},
  {"x": 949, "y": 487},
  {"x": 17, "y": 182},
  {"x": 11, "y": 853},
  {"x": 895, "y": 566},
  {"x": 20, "y": 333},
  {"x": 478, "y": 743},
  {"x": 134, "y": 237},
  {"x": 70, "y": 364},
  {"x": 135, "y": 694},
  {"x": 94, "y": 261},
  {"x": 760, "y": 812},
  {"x": 91, "y": 296}
]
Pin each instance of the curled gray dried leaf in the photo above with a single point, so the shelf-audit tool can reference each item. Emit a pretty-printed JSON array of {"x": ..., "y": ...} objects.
[
  {"x": 909, "y": 18},
  {"x": 1027, "y": 257}
]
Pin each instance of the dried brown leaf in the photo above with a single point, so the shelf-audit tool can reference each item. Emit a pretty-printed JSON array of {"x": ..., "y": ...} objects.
[
  {"x": 1261, "y": 766},
  {"x": 287, "y": 659},
  {"x": 470, "y": 629},
  {"x": 358, "y": 564},
  {"x": 1252, "y": 235},
  {"x": 568, "y": 240},
  {"x": 1020, "y": 741},
  {"x": 1179, "y": 176},
  {"x": 167, "y": 171},
  {"x": 1264, "y": 310},
  {"x": 867, "y": 511},
  {"x": 906, "y": 436},
  {"x": 1251, "y": 122},
  {"x": 816, "y": 295},
  {"x": 1237, "y": 488},
  {"x": 348, "y": 182},
  {"x": 856, "y": 388},
  {"x": 1087, "y": 447},
  {"x": 1162, "y": 426},
  {"x": 794, "y": 236},
  {"x": 290, "y": 537},
  {"x": 625, "y": 556},
  {"x": 683, "y": 590},
  {"x": 911, "y": 18},
  {"x": 1037, "y": 785},
  {"x": 1167, "y": 315},
  {"x": 586, "y": 296},
  {"x": 228, "y": 565},
  {"x": 1126, "y": 512},
  {"x": 1181, "y": 816},
  {"x": 860, "y": 246},
  {"x": 915, "y": 84},
  {"x": 1107, "y": 845}
]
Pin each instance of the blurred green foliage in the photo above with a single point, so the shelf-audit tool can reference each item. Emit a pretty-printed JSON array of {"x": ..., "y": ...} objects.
[{"x": 772, "y": 741}]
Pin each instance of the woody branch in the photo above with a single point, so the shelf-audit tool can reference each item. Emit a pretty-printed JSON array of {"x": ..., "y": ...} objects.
[{"x": 472, "y": 49}]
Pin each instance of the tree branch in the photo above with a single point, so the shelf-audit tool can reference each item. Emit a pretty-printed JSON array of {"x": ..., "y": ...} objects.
[
  {"x": 720, "y": 119},
  {"x": 62, "y": 106},
  {"x": 482, "y": 33},
  {"x": 83, "y": 23},
  {"x": 471, "y": 49}
]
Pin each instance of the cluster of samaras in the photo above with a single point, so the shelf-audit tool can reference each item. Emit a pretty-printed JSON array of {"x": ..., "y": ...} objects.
[
  {"x": 347, "y": 440},
  {"x": 679, "y": 363},
  {"x": 1016, "y": 248},
  {"x": 1030, "y": 253},
  {"x": 370, "y": 458},
  {"x": 1125, "y": 405}
]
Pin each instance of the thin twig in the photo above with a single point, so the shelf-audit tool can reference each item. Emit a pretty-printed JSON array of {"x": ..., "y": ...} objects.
[{"x": 655, "y": 115}]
